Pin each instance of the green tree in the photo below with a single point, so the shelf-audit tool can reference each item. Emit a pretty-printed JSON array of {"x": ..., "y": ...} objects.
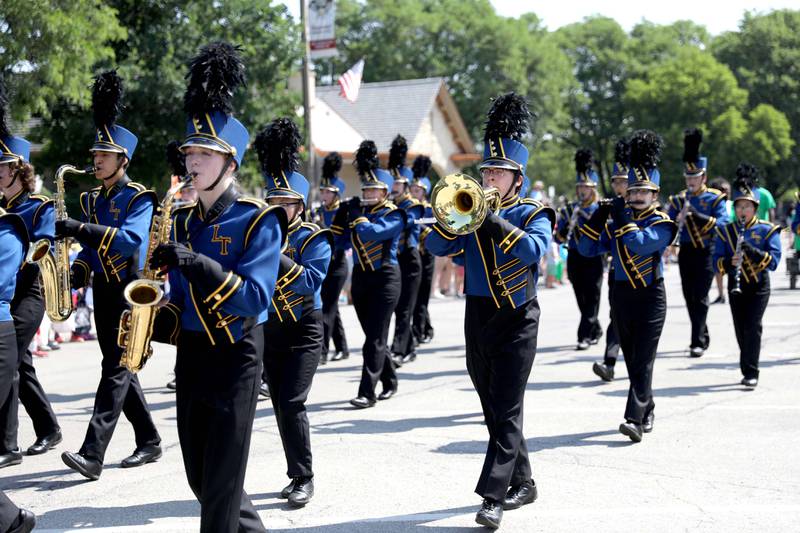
[
  {"x": 48, "y": 49},
  {"x": 163, "y": 36},
  {"x": 764, "y": 55}
]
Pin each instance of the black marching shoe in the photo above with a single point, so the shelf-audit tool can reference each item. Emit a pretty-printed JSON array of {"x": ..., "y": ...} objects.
[
  {"x": 45, "y": 443},
  {"x": 89, "y": 468},
  {"x": 583, "y": 344},
  {"x": 750, "y": 382},
  {"x": 142, "y": 456},
  {"x": 285, "y": 491},
  {"x": 302, "y": 492},
  {"x": 647, "y": 427},
  {"x": 362, "y": 402},
  {"x": 171, "y": 385},
  {"x": 24, "y": 523},
  {"x": 410, "y": 357},
  {"x": 491, "y": 514},
  {"x": 263, "y": 390},
  {"x": 696, "y": 351},
  {"x": 520, "y": 495},
  {"x": 14, "y": 457},
  {"x": 387, "y": 393},
  {"x": 603, "y": 371},
  {"x": 323, "y": 359},
  {"x": 338, "y": 356},
  {"x": 632, "y": 431}
]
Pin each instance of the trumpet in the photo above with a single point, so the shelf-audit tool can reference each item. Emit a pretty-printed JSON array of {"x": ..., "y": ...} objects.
[
  {"x": 460, "y": 204},
  {"x": 53, "y": 259}
]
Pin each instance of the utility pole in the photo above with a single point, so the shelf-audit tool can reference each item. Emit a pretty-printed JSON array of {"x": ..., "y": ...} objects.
[{"x": 312, "y": 167}]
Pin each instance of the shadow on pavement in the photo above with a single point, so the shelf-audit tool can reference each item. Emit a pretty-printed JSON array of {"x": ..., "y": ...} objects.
[
  {"x": 361, "y": 426},
  {"x": 129, "y": 515},
  {"x": 693, "y": 390},
  {"x": 392, "y": 524},
  {"x": 552, "y": 442}
]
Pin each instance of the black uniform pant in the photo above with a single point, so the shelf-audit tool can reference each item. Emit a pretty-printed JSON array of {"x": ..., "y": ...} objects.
[
  {"x": 639, "y": 315},
  {"x": 586, "y": 276},
  {"x": 501, "y": 346},
  {"x": 8, "y": 369},
  {"x": 119, "y": 390},
  {"x": 375, "y": 295},
  {"x": 331, "y": 289},
  {"x": 422, "y": 319},
  {"x": 217, "y": 390},
  {"x": 748, "y": 309},
  {"x": 612, "y": 338},
  {"x": 410, "y": 277},
  {"x": 27, "y": 310},
  {"x": 291, "y": 354},
  {"x": 697, "y": 274},
  {"x": 8, "y": 512}
]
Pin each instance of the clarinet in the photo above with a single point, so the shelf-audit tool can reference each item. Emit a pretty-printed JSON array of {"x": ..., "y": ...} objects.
[
  {"x": 684, "y": 212},
  {"x": 737, "y": 273}
]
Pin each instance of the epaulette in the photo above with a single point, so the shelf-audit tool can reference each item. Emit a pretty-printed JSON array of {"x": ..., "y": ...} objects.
[
  {"x": 252, "y": 200},
  {"x": 310, "y": 225},
  {"x": 531, "y": 201},
  {"x": 142, "y": 191},
  {"x": 713, "y": 190},
  {"x": 40, "y": 197},
  {"x": 136, "y": 186},
  {"x": 263, "y": 210},
  {"x": 324, "y": 232},
  {"x": 772, "y": 228}
]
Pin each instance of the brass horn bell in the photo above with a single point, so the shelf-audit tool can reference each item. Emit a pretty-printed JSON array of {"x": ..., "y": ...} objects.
[{"x": 460, "y": 203}]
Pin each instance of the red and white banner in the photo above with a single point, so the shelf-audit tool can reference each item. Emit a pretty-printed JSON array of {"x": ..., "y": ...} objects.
[{"x": 322, "y": 28}]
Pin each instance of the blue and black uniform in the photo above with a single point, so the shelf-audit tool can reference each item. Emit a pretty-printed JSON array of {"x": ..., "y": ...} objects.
[
  {"x": 707, "y": 211},
  {"x": 761, "y": 253},
  {"x": 501, "y": 326},
  {"x": 222, "y": 280},
  {"x": 27, "y": 308},
  {"x": 636, "y": 241},
  {"x": 335, "y": 279},
  {"x": 13, "y": 247},
  {"x": 408, "y": 256},
  {"x": 113, "y": 235}
]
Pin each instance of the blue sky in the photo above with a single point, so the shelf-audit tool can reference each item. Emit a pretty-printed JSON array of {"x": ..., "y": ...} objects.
[{"x": 718, "y": 17}]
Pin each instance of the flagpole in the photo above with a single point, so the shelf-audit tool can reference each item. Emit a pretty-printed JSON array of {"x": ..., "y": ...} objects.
[{"x": 311, "y": 173}]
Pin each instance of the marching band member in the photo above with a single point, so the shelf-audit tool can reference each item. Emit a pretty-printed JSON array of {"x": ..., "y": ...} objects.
[
  {"x": 584, "y": 273},
  {"x": 375, "y": 226},
  {"x": 13, "y": 247},
  {"x": 502, "y": 311},
  {"x": 420, "y": 188},
  {"x": 747, "y": 249},
  {"x": 408, "y": 254},
  {"x": 115, "y": 222},
  {"x": 294, "y": 331},
  {"x": 619, "y": 185},
  {"x": 331, "y": 192},
  {"x": 636, "y": 238},
  {"x": 17, "y": 181},
  {"x": 222, "y": 262},
  {"x": 697, "y": 210}
]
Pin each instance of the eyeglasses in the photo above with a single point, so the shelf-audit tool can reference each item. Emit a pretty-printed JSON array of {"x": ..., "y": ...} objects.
[{"x": 494, "y": 172}]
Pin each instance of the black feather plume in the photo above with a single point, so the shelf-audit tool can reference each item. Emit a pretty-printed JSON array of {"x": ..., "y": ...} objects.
[
  {"x": 622, "y": 152},
  {"x": 176, "y": 159},
  {"x": 692, "y": 138},
  {"x": 421, "y": 166},
  {"x": 214, "y": 74},
  {"x": 4, "y": 131},
  {"x": 106, "y": 98},
  {"x": 508, "y": 118},
  {"x": 331, "y": 165},
  {"x": 277, "y": 146},
  {"x": 646, "y": 147},
  {"x": 583, "y": 160},
  {"x": 366, "y": 159},
  {"x": 747, "y": 175},
  {"x": 398, "y": 152}
]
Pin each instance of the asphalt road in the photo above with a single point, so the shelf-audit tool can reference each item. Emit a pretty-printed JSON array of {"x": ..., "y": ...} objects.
[{"x": 721, "y": 458}]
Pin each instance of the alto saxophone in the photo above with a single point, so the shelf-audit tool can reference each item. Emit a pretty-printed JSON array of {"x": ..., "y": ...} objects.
[
  {"x": 53, "y": 259},
  {"x": 145, "y": 295}
]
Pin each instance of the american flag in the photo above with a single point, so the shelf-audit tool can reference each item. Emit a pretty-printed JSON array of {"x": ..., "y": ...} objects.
[{"x": 350, "y": 81}]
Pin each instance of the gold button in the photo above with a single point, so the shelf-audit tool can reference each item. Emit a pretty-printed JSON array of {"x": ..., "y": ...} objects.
[{"x": 217, "y": 297}]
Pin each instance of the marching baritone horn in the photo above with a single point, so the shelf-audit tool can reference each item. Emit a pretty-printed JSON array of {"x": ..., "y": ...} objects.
[
  {"x": 460, "y": 204},
  {"x": 53, "y": 260},
  {"x": 146, "y": 295}
]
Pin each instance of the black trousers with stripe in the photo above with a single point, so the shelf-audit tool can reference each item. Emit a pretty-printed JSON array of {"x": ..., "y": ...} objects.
[
  {"x": 612, "y": 338},
  {"x": 748, "y": 309},
  {"x": 586, "y": 276},
  {"x": 375, "y": 295},
  {"x": 639, "y": 315},
  {"x": 410, "y": 278},
  {"x": 697, "y": 275},
  {"x": 217, "y": 391},
  {"x": 331, "y": 318},
  {"x": 501, "y": 346}
]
